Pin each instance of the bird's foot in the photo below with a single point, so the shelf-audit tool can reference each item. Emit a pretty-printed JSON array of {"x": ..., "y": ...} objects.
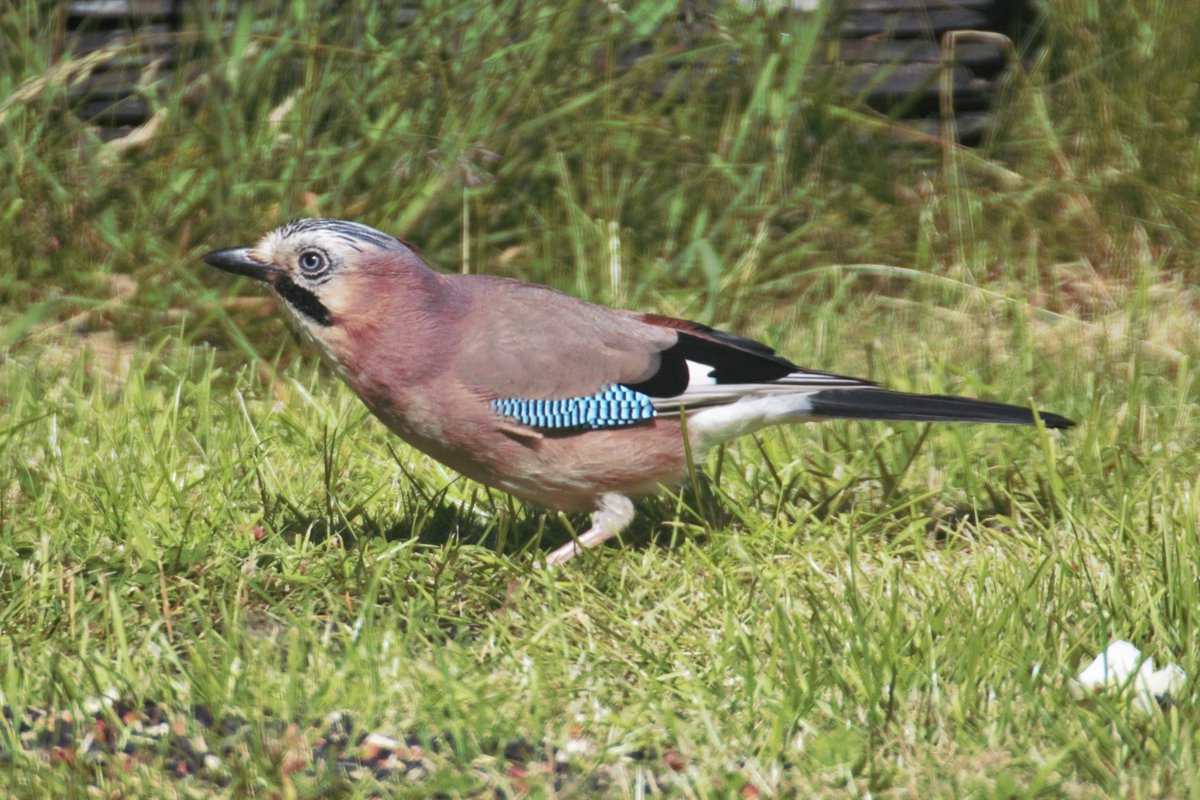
[{"x": 613, "y": 514}]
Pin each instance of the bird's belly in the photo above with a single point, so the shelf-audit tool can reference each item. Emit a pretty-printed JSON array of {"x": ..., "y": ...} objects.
[
  {"x": 567, "y": 471},
  {"x": 562, "y": 471},
  {"x": 570, "y": 471}
]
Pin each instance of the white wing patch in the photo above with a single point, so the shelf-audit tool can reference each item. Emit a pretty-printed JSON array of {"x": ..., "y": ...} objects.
[{"x": 699, "y": 374}]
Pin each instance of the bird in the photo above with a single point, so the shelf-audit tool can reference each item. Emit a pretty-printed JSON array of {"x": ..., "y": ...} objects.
[{"x": 564, "y": 403}]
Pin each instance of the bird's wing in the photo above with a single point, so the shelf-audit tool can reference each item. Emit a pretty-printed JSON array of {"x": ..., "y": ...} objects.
[
  {"x": 551, "y": 361},
  {"x": 529, "y": 341},
  {"x": 706, "y": 366}
]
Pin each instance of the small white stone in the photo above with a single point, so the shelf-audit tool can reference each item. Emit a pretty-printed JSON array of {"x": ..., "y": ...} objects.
[{"x": 577, "y": 746}]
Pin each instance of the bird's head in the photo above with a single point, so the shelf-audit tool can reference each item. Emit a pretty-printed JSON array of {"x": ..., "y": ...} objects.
[
  {"x": 360, "y": 295},
  {"x": 327, "y": 272}
]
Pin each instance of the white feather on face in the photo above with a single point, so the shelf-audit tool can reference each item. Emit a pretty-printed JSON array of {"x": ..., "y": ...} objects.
[
  {"x": 316, "y": 278},
  {"x": 312, "y": 257}
]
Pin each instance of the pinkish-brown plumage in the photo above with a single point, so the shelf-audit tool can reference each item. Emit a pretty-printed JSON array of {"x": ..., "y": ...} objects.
[
  {"x": 440, "y": 404},
  {"x": 432, "y": 355}
]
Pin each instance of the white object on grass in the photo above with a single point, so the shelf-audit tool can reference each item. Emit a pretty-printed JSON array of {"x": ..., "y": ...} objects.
[{"x": 1122, "y": 665}]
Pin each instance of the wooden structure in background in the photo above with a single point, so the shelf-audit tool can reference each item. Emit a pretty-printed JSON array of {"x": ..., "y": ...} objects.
[{"x": 891, "y": 55}]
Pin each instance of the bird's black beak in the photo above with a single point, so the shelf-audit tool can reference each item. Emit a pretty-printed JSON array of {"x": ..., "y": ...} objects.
[{"x": 239, "y": 261}]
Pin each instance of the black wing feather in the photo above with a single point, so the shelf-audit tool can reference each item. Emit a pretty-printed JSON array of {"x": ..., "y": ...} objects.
[{"x": 732, "y": 358}]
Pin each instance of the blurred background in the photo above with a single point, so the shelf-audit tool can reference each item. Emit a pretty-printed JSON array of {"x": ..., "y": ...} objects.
[{"x": 691, "y": 151}]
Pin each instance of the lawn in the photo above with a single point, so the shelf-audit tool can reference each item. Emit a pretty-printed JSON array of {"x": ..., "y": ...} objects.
[{"x": 219, "y": 566}]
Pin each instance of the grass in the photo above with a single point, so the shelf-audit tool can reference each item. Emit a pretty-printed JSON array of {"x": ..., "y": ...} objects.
[{"x": 193, "y": 512}]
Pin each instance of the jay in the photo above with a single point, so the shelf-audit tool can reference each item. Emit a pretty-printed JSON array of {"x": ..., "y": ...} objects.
[{"x": 567, "y": 404}]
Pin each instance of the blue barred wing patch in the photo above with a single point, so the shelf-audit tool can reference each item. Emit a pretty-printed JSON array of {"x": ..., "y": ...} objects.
[{"x": 611, "y": 407}]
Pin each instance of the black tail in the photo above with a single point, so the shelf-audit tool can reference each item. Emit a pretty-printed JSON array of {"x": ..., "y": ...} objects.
[{"x": 883, "y": 404}]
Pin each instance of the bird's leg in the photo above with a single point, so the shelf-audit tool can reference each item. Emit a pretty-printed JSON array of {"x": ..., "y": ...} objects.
[{"x": 613, "y": 514}]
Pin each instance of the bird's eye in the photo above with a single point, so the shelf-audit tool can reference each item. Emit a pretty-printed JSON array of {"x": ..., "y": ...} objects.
[{"x": 312, "y": 261}]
